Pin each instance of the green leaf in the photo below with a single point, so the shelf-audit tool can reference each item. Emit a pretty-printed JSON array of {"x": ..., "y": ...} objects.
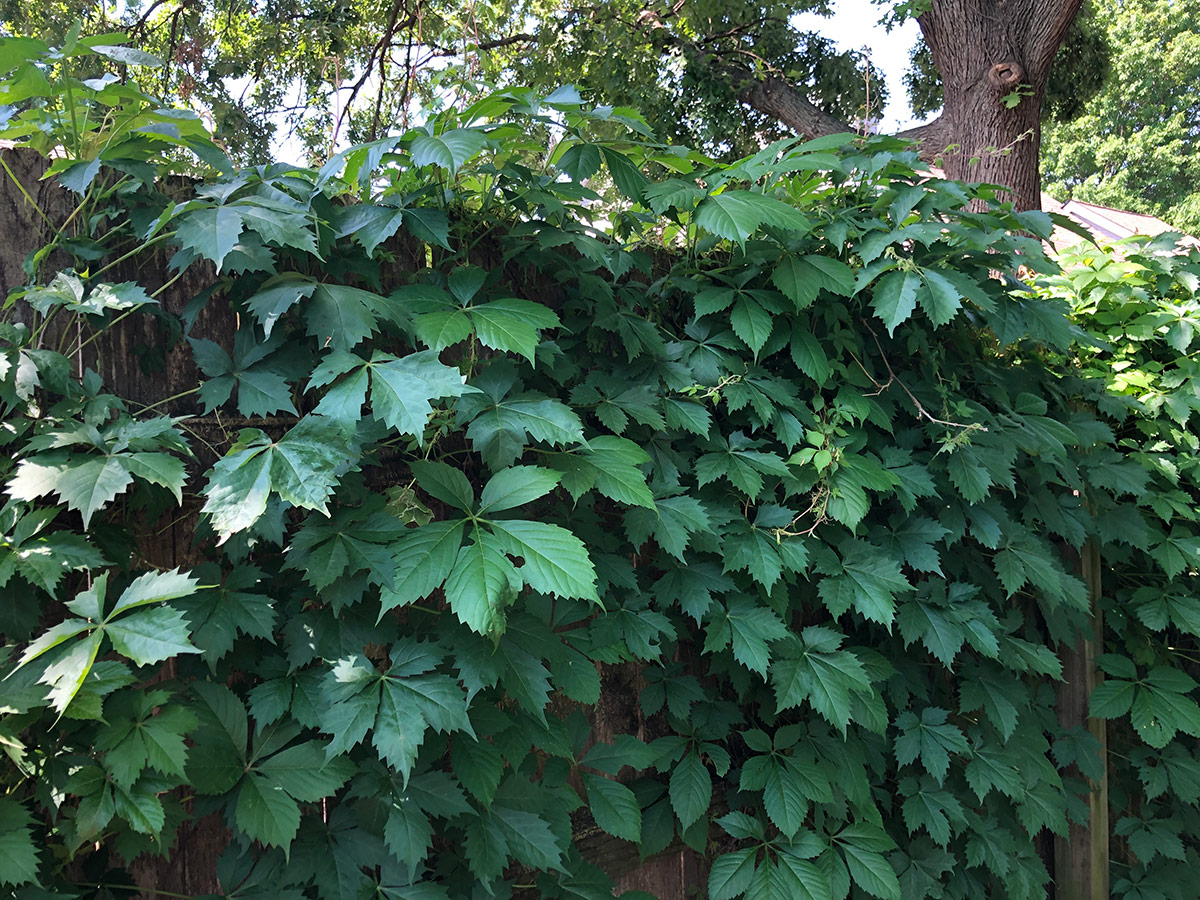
[
  {"x": 1111, "y": 699},
  {"x": 939, "y": 298},
  {"x": 424, "y": 557},
  {"x": 751, "y": 323},
  {"x": 735, "y": 215},
  {"x": 408, "y": 834},
  {"x": 751, "y": 629},
  {"x": 402, "y": 388},
  {"x": 18, "y": 855},
  {"x": 555, "y": 561},
  {"x": 370, "y": 225},
  {"x": 931, "y": 738},
  {"x": 449, "y": 150},
  {"x": 155, "y": 587},
  {"x": 478, "y": 765},
  {"x": 783, "y": 797},
  {"x": 871, "y": 872},
  {"x": 151, "y": 636},
  {"x": 614, "y": 807},
  {"x": 399, "y": 729},
  {"x": 501, "y": 330},
  {"x": 801, "y": 278},
  {"x": 895, "y": 297},
  {"x": 85, "y": 483},
  {"x": 672, "y": 522},
  {"x": 516, "y": 486},
  {"x": 529, "y": 837},
  {"x": 340, "y": 316},
  {"x": 302, "y": 468},
  {"x": 827, "y": 677},
  {"x": 500, "y": 430},
  {"x": 304, "y": 773},
  {"x": 731, "y": 874},
  {"x": 444, "y": 328},
  {"x": 625, "y": 175},
  {"x": 445, "y": 483},
  {"x": 211, "y": 233},
  {"x": 482, "y": 583},
  {"x": 869, "y": 580},
  {"x": 265, "y": 812},
  {"x": 690, "y": 789},
  {"x": 428, "y": 225}
]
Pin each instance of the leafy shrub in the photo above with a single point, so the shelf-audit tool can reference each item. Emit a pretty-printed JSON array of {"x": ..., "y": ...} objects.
[{"x": 785, "y": 447}]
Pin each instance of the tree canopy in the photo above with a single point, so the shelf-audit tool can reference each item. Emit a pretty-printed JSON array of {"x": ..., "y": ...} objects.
[
  {"x": 721, "y": 75},
  {"x": 1134, "y": 145},
  {"x": 418, "y": 526}
]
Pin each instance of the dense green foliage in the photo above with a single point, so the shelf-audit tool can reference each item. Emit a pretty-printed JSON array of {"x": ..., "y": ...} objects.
[
  {"x": 1134, "y": 146},
  {"x": 326, "y": 73},
  {"x": 788, "y": 440}
]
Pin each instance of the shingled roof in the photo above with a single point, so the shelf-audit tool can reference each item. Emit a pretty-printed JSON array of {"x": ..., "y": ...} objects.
[{"x": 1105, "y": 223}]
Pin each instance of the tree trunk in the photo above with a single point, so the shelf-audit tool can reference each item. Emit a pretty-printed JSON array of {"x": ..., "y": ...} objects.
[
  {"x": 994, "y": 57},
  {"x": 992, "y": 142}
]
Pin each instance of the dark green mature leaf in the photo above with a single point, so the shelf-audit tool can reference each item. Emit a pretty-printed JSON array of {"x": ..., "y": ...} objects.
[
  {"x": 931, "y": 738},
  {"x": 482, "y": 582},
  {"x": 211, "y": 233},
  {"x": 868, "y": 579},
  {"x": 735, "y": 215},
  {"x": 18, "y": 855},
  {"x": 824, "y": 675},
  {"x": 341, "y": 317},
  {"x": 424, "y": 558},
  {"x": 555, "y": 561},
  {"x": 266, "y": 813},
  {"x": 276, "y": 297},
  {"x": 731, "y": 874},
  {"x": 401, "y": 389},
  {"x": 449, "y": 150},
  {"x": 614, "y": 807},
  {"x": 516, "y": 486},
  {"x": 895, "y": 297},
  {"x": 690, "y": 789}
]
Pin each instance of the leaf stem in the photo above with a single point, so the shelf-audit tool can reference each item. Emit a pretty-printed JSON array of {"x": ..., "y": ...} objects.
[
  {"x": 25, "y": 193},
  {"x": 97, "y": 885},
  {"x": 166, "y": 400},
  {"x": 136, "y": 250}
]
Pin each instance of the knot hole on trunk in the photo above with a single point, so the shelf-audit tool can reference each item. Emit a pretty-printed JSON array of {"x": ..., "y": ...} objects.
[{"x": 1005, "y": 75}]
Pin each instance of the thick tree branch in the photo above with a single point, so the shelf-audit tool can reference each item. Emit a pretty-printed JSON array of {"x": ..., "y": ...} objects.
[
  {"x": 1050, "y": 22},
  {"x": 776, "y": 98}
]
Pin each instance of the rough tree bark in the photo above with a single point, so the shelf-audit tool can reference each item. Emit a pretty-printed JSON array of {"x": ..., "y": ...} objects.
[{"x": 985, "y": 50}]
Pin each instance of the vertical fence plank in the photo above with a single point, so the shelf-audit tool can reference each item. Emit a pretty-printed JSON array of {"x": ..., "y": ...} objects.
[{"x": 1081, "y": 858}]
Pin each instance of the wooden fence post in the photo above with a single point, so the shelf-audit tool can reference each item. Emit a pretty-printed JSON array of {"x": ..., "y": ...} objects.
[{"x": 1081, "y": 858}]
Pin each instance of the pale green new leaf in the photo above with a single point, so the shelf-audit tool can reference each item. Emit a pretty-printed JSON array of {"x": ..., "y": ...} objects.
[{"x": 151, "y": 636}]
